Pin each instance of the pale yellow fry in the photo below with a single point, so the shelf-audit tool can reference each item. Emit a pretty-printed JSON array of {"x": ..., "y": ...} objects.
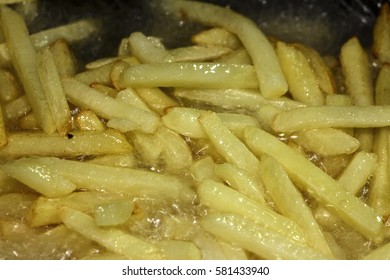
[
  {"x": 326, "y": 141},
  {"x": 39, "y": 177},
  {"x": 217, "y": 36},
  {"x": 175, "y": 153},
  {"x": 225, "y": 200},
  {"x": 148, "y": 49},
  {"x": 332, "y": 116},
  {"x": 380, "y": 253},
  {"x": 184, "y": 121},
  {"x": 269, "y": 74},
  {"x": 3, "y": 131},
  {"x": 101, "y": 62},
  {"x": 147, "y": 147},
  {"x": 113, "y": 239},
  {"x": 29, "y": 122},
  {"x": 290, "y": 202},
  {"x": 23, "y": 57},
  {"x": 198, "y": 53},
  {"x": 338, "y": 100},
  {"x": 187, "y": 74},
  {"x": 130, "y": 97},
  {"x": 319, "y": 184},
  {"x": 381, "y": 35},
  {"x": 359, "y": 170},
  {"x": 233, "y": 99},
  {"x": 99, "y": 75},
  {"x": 239, "y": 56},
  {"x": 203, "y": 169},
  {"x": 379, "y": 196},
  {"x": 299, "y": 74},
  {"x": 358, "y": 81},
  {"x": 114, "y": 213},
  {"x": 108, "y": 107},
  {"x": 23, "y": 144},
  {"x": 16, "y": 108},
  {"x": 10, "y": 88},
  {"x": 228, "y": 145},
  {"x": 52, "y": 88},
  {"x": 87, "y": 120},
  {"x": 120, "y": 180},
  {"x": 118, "y": 160},
  {"x": 46, "y": 211},
  {"x": 257, "y": 239},
  {"x": 324, "y": 75},
  {"x": 265, "y": 115},
  {"x": 63, "y": 57},
  {"x": 156, "y": 99},
  {"x": 239, "y": 180}
]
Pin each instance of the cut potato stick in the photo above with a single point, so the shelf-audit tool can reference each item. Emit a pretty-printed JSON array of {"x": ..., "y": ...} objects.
[
  {"x": 156, "y": 99},
  {"x": 63, "y": 57},
  {"x": 184, "y": 121},
  {"x": 239, "y": 180},
  {"x": 99, "y": 75},
  {"x": 198, "y": 53},
  {"x": 113, "y": 239},
  {"x": 108, "y": 107},
  {"x": 255, "y": 238},
  {"x": 147, "y": 148},
  {"x": 381, "y": 35},
  {"x": 186, "y": 74},
  {"x": 239, "y": 56},
  {"x": 290, "y": 202},
  {"x": 23, "y": 57},
  {"x": 217, "y": 37},
  {"x": 175, "y": 152},
  {"x": 16, "y": 108},
  {"x": 324, "y": 76},
  {"x": 114, "y": 213},
  {"x": 87, "y": 120},
  {"x": 23, "y": 144},
  {"x": 332, "y": 116},
  {"x": 178, "y": 250},
  {"x": 129, "y": 96},
  {"x": 233, "y": 99},
  {"x": 52, "y": 88},
  {"x": 29, "y": 122},
  {"x": 148, "y": 49},
  {"x": 300, "y": 77},
  {"x": 118, "y": 160},
  {"x": 326, "y": 141},
  {"x": 38, "y": 177},
  {"x": 270, "y": 77},
  {"x": 225, "y": 200},
  {"x": 46, "y": 211},
  {"x": 319, "y": 184},
  {"x": 228, "y": 145},
  {"x": 358, "y": 171},
  {"x": 10, "y": 88},
  {"x": 120, "y": 180},
  {"x": 203, "y": 169}
]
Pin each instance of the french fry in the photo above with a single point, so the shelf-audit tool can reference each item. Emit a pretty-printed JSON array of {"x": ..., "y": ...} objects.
[
  {"x": 203, "y": 169},
  {"x": 108, "y": 107},
  {"x": 225, "y": 200},
  {"x": 24, "y": 61},
  {"x": 270, "y": 77},
  {"x": 179, "y": 250},
  {"x": 320, "y": 185},
  {"x": 130, "y": 246},
  {"x": 118, "y": 160},
  {"x": 228, "y": 145},
  {"x": 46, "y": 211},
  {"x": 29, "y": 122},
  {"x": 185, "y": 121},
  {"x": 39, "y": 178},
  {"x": 198, "y": 53},
  {"x": 119, "y": 180},
  {"x": 239, "y": 56},
  {"x": 257, "y": 239},
  {"x": 87, "y": 120},
  {"x": 323, "y": 74},
  {"x": 290, "y": 202},
  {"x": 239, "y": 180},
  {"x": 10, "y": 88},
  {"x": 379, "y": 194},
  {"x": 381, "y": 37},
  {"x": 186, "y": 74},
  {"x": 357, "y": 173},
  {"x": 63, "y": 57},
  {"x": 99, "y": 75},
  {"x": 147, "y": 147},
  {"x": 358, "y": 81},
  {"x": 130, "y": 97},
  {"x": 148, "y": 49},
  {"x": 156, "y": 99},
  {"x": 114, "y": 213},
  {"x": 175, "y": 152},
  {"x": 300, "y": 76},
  {"x": 76, "y": 143},
  {"x": 11, "y": 185},
  {"x": 326, "y": 141},
  {"x": 16, "y": 108},
  {"x": 52, "y": 88},
  {"x": 332, "y": 116},
  {"x": 217, "y": 37}
]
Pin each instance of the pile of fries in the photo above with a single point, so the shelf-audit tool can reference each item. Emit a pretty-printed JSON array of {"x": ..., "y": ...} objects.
[{"x": 239, "y": 146}]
